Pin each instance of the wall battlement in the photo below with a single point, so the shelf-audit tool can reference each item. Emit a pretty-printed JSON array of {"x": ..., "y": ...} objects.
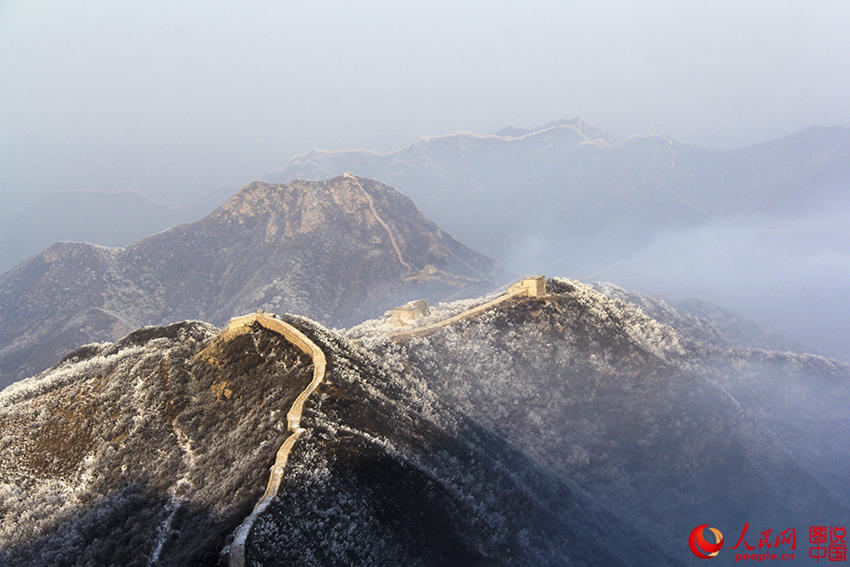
[{"x": 534, "y": 286}]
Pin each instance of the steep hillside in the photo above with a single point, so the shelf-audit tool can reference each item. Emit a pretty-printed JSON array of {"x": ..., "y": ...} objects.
[
  {"x": 153, "y": 449},
  {"x": 802, "y": 399},
  {"x": 339, "y": 250},
  {"x": 149, "y": 449},
  {"x": 541, "y": 430},
  {"x": 664, "y": 431}
]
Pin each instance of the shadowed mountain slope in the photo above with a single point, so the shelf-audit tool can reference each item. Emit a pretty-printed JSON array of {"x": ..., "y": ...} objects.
[{"x": 153, "y": 449}]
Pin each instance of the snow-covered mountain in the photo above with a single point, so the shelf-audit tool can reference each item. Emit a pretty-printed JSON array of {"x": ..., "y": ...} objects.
[
  {"x": 338, "y": 250},
  {"x": 153, "y": 449},
  {"x": 663, "y": 428},
  {"x": 550, "y": 430}
]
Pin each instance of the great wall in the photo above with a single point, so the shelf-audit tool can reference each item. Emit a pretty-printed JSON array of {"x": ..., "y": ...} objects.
[
  {"x": 534, "y": 286},
  {"x": 381, "y": 222},
  {"x": 293, "y": 420}
]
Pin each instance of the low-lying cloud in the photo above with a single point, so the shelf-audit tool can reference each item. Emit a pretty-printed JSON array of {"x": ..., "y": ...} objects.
[{"x": 789, "y": 276}]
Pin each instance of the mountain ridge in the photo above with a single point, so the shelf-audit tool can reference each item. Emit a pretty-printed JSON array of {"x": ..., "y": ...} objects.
[
  {"x": 549, "y": 428},
  {"x": 338, "y": 250},
  {"x": 578, "y": 125},
  {"x": 594, "y": 389},
  {"x": 374, "y": 442}
]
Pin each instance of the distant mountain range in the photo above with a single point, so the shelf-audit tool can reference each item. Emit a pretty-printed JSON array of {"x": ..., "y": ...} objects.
[
  {"x": 553, "y": 430},
  {"x": 339, "y": 250},
  {"x": 571, "y": 181},
  {"x": 646, "y": 212}
]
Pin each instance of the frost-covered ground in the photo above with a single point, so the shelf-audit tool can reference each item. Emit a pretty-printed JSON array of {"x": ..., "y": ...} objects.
[
  {"x": 152, "y": 450},
  {"x": 646, "y": 418},
  {"x": 147, "y": 451},
  {"x": 388, "y": 473},
  {"x": 545, "y": 431}
]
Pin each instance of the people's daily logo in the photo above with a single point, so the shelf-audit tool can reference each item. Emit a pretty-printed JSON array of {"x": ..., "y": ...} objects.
[
  {"x": 702, "y": 547},
  {"x": 826, "y": 543}
]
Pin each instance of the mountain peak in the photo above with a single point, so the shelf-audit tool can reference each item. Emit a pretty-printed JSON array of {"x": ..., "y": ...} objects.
[
  {"x": 339, "y": 250},
  {"x": 304, "y": 207}
]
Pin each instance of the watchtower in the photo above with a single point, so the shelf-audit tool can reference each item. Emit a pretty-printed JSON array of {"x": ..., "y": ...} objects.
[
  {"x": 408, "y": 313},
  {"x": 534, "y": 286}
]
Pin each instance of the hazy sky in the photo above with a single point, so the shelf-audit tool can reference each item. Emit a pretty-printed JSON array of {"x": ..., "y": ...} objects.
[{"x": 182, "y": 97}]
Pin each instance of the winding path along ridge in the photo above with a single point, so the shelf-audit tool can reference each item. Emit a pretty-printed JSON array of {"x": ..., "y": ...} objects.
[
  {"x": 293, "y": 417},
  {"x": 381, "y": 222},
  {"x": 524, "y": 287},
  {"x": 293, "y": 420}
]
